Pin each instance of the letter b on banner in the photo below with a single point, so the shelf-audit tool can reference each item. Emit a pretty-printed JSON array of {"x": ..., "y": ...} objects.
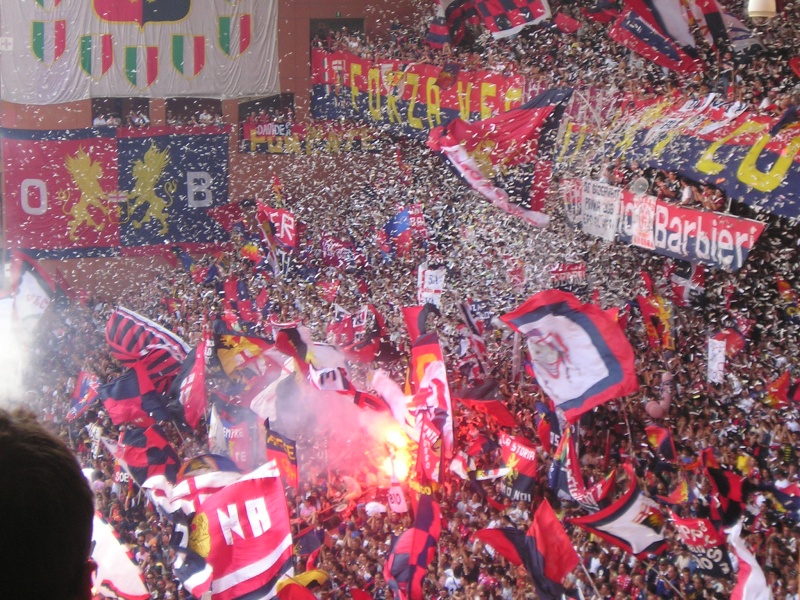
[{"x": 198, "y": 189}]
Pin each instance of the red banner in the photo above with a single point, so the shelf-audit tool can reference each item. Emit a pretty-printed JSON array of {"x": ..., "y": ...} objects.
[{"x": 56, "y": 193}]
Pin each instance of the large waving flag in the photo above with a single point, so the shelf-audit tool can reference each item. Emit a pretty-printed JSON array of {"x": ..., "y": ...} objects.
[
  {"x": 34, "y": 288},
  {"x": 246, "y": 359},
  {"x": 706, "y": 544},
  {"x": 243, "y": 534},
  {"x": 189, "y": 387},
  {"x": 431, "y": 399},
  {"x": 723, "y": 29},
  {"x": 481, "y": 150},
  {"x": 456, "y": 14},
  {"x": 136, "y": 339},
  {"x": 671, "y": 18},
  {"x": 359, "y": 335},
  {"x": 505, "y": 18},
  {"x": 545, "y": 550},
  {"x": 416, "y": 318},
  {"x": 637, "y": 31},
  {"x": 730, "y": 489},
  {"x": 566, "y": 459},
  {"x": 602, "y": 11},
  {"x": 751, "y": 584},
  {"x": 283, "y": 451},
  {"x": 634, "y": 523},
  {"x": 402, "y": 230},
  {"x": 580, "y": 356},
  {"x": 198, "y": 479},
  {"x": 117, "y": 575},
  {"x": 131, "y": 398},
  {"x": 485, "y": 398},
  {"x": 408, "y": 560}
]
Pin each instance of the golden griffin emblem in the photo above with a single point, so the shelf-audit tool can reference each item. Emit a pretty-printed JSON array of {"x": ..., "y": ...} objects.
[
  {"x": 199, "y": 537},
  {"x": 85, "y": 174},
  {"x": 513, "y": 472},
  {"x": 147, "y": 173}
]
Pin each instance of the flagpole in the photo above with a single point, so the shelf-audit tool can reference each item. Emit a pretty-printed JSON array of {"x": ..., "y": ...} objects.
[
  {"x": 628, "y": 425},
  {"x": 177, "y": 431},
  {"x": 516, "y": 364},
  {"x": 589, "y": 577},
  {"x": 667, "y": 581}
]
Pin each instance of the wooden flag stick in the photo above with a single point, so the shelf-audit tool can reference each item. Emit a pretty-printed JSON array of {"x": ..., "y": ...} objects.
[
  {"x": 651, "y": 567},
  {"x": 589, "y": 577}
]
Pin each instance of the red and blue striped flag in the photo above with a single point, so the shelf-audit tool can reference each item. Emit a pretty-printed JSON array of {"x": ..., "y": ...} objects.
[{"x": 545, "y": 550}]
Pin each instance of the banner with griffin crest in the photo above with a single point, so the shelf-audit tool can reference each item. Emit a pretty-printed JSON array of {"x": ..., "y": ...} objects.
[
  {"x": 110, "y": 192},
  {"x": 65, "y": 51}
]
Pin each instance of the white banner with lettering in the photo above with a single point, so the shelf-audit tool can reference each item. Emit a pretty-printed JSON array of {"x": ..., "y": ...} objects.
[
  {"x": 716, "y": 360},
  {"x": 430, "y": 285},
  {"x": 600, "y": 210}
]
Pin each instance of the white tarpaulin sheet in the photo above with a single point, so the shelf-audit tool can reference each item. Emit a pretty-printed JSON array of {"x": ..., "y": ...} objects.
[{"x": 54, "y": 51}]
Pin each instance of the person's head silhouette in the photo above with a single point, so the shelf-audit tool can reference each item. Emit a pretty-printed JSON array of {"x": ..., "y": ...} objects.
[{"x": 46, "y": 515}]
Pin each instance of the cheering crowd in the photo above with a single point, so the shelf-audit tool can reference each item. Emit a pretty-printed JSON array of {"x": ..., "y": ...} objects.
[{"x": 749, "y": 425}]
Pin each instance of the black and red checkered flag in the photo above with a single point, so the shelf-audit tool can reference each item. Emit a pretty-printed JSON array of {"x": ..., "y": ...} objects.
[
  {"x": 144, "y": 453},
  {"x": 408, "y": 560}
]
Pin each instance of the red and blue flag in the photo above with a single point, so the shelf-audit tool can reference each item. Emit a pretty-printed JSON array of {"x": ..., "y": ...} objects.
[
  {"x": 504, "y": 18},
  {"x": 396, "y": 238},
  {"x": 579, "y": 354},
  {"x": 144, "y": 453},
  {"x": 634, "y": 523},
  {"x": 660, "y": 438},
  {"x": 413, "y": 551},
  {"x": 132, "y": 399},
  {"x": 485, "y": 398},
  {"x": 546, "y": 551},
  {"x": 84, "y": 394},
  {"x": 135, "y": 339},
  {"x": 638, "y": 32}
]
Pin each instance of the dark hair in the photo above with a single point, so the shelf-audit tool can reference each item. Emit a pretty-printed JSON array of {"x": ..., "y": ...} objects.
[{"x": 46, "y": 513}]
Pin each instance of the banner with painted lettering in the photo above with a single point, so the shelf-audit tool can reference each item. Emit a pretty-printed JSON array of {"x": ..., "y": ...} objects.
[
  {"x": 430, "y": 285},
  {"x": 408, "y": 98},
  {"x": 520, "y": 458},
  {"x": 341, "y": 254},
  {"x": 717, "y": 239},
  {"x": 751, "y": 156},
  {"x": 716, "y": 359},
  {"x": 111, "y": 192},
  {"x": 600, "y": 209},
  {"x": 698, "y": 236},
  {"x": 568, "y": 274},
  {"x": 58, "y": 51},
  {"x": 297, "y": 138},
  {"x": 706, "y": 544}
]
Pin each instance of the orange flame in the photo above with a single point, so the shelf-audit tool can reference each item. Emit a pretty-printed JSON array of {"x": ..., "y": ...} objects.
[{"x": 399, "y": 453}]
